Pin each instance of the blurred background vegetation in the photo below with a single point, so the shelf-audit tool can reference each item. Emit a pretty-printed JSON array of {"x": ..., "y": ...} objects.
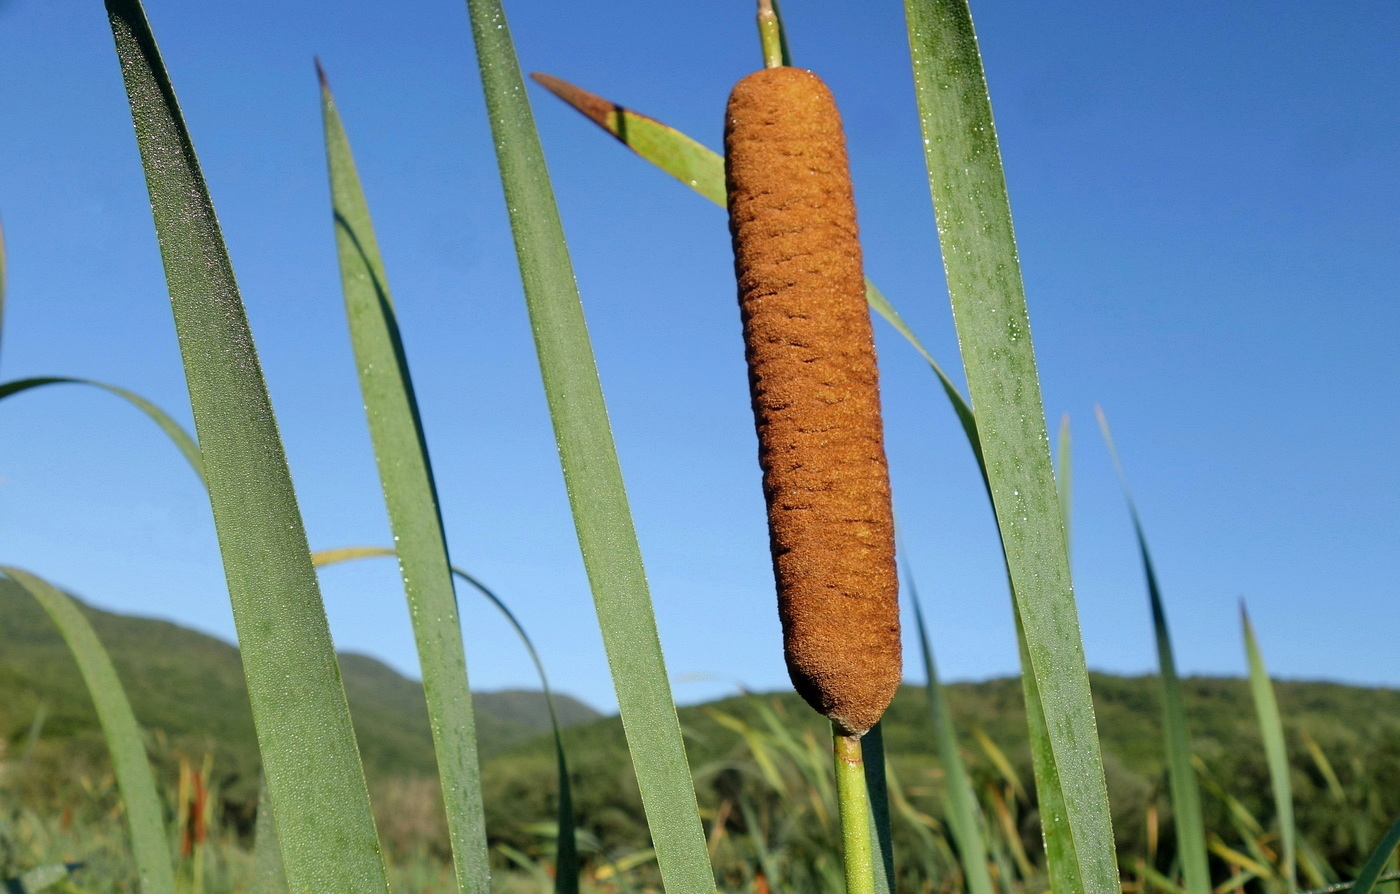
[{"x": 760, "y": 764}]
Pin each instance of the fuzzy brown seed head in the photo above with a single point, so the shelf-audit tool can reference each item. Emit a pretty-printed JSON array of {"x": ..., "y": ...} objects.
[{"x": 816, "y": 400}]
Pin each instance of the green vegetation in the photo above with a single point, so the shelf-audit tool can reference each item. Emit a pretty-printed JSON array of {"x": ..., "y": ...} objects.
[
  {"x": 352, "y": 777},
  {"x": 190, "y": 688},
  {"x": 751, "y": 752}
]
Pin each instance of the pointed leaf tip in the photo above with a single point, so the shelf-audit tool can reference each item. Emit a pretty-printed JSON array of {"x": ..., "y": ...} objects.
[
  {"x": 321, "y": 74},
  {"x": 594, "y": 107}
]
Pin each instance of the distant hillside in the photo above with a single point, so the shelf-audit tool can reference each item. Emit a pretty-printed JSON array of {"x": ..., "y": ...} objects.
[
  {"x": 190, "y": 687},
  {"x": 1355, "y": 729}
]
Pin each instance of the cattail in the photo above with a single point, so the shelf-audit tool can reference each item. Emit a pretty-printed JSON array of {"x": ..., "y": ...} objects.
[{"x": 816, "y": 401}]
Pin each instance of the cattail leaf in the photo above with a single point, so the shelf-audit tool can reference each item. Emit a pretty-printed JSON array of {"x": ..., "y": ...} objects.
[
  {"x": 144, "y": 810},
  {"x": 1064, "y": 482},
  {"x": 1061, "y": 849},
  {"x": 566, "y": 857},
  {"x": 269, "y": 876},
  {"x": 688, "y": 161},
  {"x": 877, "y": 784},
  {"x": 1188, "y": 817},
  {"x": 989, "y": 310},
  {"x": 173, "y": 430},
  {"x": 1375, "y": 864},
  {"x": 1324, "y": 767},
  {"x": 314, "y": 775},
  {"x": 702, "y": 169},
  {"x": 405, "y": 472},
  {"x": 592, "y": 475},
  {"x": 964, "y": 816},
  {"x": 1275, "y": 751}
]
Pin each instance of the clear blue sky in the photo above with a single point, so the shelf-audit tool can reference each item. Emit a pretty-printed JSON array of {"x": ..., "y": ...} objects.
[{"x": 1207, "y": 205}]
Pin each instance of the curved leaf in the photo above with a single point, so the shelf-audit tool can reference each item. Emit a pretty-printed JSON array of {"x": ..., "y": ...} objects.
[
  {"x": 566, "y": 858},
  {"x": 174, "y": 430},
  {"x": 145, "y": 816},
  {"x": 1375, "y": 864}
]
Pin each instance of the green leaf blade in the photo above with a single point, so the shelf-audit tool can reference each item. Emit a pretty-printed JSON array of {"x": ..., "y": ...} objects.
[
  {"x": 964, "y": 816},
  {"x": 989, "y": 310},
  {"x": 877, "y": 784},
  {"x": 182, "y": 439},
  {"x": 592, "y": 475},
  {"x": 400, "y": 449},
  {"x": 1375, "y": 864},
  {"x": 1187, "y": 812},
  {"x": 1275, "y": 751},
  {"x": 566, "y": 877},
  {"x": 145, "y": 813},
  {"x": 315, "y": 779}
]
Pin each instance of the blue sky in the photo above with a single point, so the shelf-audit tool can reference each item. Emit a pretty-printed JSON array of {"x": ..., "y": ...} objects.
[{"x": 1206, "y": 204}]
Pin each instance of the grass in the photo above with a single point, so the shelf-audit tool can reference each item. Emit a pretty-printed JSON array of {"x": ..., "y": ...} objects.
[
  {"x": 768, "y": 800},
  {"x": 774, "y": 824}
]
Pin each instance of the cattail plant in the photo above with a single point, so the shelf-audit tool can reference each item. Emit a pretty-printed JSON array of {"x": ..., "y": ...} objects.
[{"x": 816, "y": 403}]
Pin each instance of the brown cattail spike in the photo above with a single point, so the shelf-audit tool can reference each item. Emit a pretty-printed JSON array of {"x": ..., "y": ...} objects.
[{"x": 815, "y": 392}]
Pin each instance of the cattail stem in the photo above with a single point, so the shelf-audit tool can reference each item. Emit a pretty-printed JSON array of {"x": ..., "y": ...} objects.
[
  {"x": 770, "y": 35},
  {"x": 854, "y": 802}
]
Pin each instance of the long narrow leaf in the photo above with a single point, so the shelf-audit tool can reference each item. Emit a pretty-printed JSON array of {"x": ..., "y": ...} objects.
[
  {"x": 964, "y": 816},
  {"x": 1061, "y": 849},
  {"x": 1064, "y": 482},
  {"x": 1375, "y": 864},
  {"x": 314, "y": 775},
  {"x": 1275, "y": 752},
  {"x": 405, "y": 472},
  {"x": 877, "y": 786},
  {"x": 591, "y": 471},
  {"x": 269, "y": 876},
  {"x": 687, "y": 160},
  {"x": 566, "y": 855},
  {"x": 1187, "y": 813},
  {"x": 173, "y": 430},
  {"x": 989, "y": 311},
  {"x": 144, "y": 813}
]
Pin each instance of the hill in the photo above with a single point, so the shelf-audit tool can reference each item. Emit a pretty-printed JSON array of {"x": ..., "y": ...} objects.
[
  {"x": 1343, "y": 743},
  {"x": 188, "y": 688}
]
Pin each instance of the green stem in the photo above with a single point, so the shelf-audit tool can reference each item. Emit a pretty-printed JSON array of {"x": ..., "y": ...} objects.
[
  {"x": 855, "y": 813},
  {"x": 770, "y": 35}
]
